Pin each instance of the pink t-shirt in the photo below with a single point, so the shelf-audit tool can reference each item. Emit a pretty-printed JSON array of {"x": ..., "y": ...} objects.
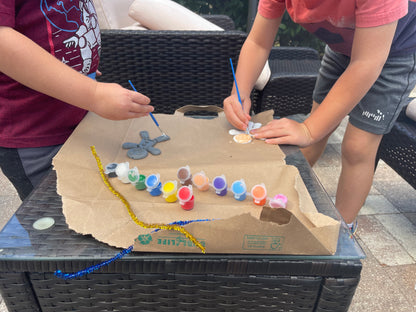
[
  {"x": 68, "y": 30},
  {"x": 334, "y": 22}
]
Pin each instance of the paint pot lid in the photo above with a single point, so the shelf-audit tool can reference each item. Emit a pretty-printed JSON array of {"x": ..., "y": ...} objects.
[
  {"x": 219, "y": 182},
  {"x": 169, "y": 187},
  {"x": 239, "y": 187},
  {"x": 185, "y": 193},
  {"x": 152, "y": 180},
  {"x": 184, "y": 173},
  {"x": 259, "y": 191}
]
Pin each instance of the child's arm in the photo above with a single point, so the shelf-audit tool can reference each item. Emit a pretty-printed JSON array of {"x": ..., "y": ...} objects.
[
  {"x": 371, "y": 47},
  {"x": 253, "y": 56},
  {"x": 26, "y": 62}
]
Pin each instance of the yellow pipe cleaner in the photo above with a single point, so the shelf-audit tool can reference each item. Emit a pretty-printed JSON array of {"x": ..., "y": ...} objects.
[{"x": 131, "y": 213}]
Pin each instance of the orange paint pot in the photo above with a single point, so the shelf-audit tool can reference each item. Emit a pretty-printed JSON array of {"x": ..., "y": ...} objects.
[
  {"x": 201, "y": 181},
  {"x": 259, "y": 194}
]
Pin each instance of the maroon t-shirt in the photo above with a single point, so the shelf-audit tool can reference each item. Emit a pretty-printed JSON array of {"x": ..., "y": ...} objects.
[{"x": 68, "y": 30}]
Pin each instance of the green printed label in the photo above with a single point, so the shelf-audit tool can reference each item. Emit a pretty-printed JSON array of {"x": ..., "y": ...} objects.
[
  {"x": 144, "y": 239},
  {"x": 262, "y": 242},
  {"x": 174, "y": 240}
]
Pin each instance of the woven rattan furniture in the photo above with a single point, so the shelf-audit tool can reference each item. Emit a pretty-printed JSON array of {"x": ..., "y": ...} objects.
[
  {"x": 398, "y": 148},
  {"x": 177, "y": 68},
  {"x": 174, "y": 68},
  {"x": 293, "y": 75},
  {"x": 161, "y": 281}
]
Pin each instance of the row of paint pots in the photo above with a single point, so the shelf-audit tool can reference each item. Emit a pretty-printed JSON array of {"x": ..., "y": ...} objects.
[
  {"x": 239, "y": 189},
  {"x": 171, "y": 193}
]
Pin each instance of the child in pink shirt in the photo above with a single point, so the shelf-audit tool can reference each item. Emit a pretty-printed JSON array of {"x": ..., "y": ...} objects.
[{"x": 367, "y": 72}]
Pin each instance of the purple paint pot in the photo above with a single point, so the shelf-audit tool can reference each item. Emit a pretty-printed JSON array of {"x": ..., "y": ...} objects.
[{"x": 220, "y": 185}]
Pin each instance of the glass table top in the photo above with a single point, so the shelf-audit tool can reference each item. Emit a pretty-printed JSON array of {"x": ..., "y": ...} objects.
[{"x": 24, "y": 236}]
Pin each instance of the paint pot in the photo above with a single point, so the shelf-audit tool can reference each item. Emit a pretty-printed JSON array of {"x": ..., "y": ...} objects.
[
  {"x": 136, "y": 179},
  {"x": 259, "y": 193},
  {"x": 186, "y": 197},
  {"x": 110, "y": 170},
  {"x": 133, "y": 175},
  {"x": 122, "y": 171},
  {"x": 220, "y": 185},
  {"x": 239, "y": 189},
  {"x": 184, "y": 175},
  {"x": 153, "y": 184},
  {"x": 140, "y": 184},
  {"x": 201, "y": 181},
  {"x": 279, "y": 201},
  {"x": 169, "y": 189}
]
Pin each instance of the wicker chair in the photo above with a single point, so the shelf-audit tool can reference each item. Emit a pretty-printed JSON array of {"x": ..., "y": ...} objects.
[
  {"x": 294, "y": 72},
  {"x": 398, "y": 149},
  {"x": 177, "y": 68},
  {"x": 173, "y": 68}
]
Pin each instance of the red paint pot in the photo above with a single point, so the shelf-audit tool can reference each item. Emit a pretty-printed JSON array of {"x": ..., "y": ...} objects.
[{"x": 186, "y": 197}]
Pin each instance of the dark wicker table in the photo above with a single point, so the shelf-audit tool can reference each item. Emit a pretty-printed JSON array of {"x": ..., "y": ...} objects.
[{"x": 166, "y": 281}]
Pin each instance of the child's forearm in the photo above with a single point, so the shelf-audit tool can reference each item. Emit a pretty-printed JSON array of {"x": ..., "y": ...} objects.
[
  {"x": 370, "y": 51},
  {"x": 255, "y": 52},
  {"x": 28, "y": 63},
  {"x": 344, "y": 95}
]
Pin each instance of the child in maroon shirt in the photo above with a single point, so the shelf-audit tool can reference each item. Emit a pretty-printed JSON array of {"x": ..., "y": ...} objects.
[{"x": 49, "y": 51}]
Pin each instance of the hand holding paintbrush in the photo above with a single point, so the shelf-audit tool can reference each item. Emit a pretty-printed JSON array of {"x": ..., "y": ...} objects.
[
  {"x": 151, "y": 115},
  {"x": 237, "y": 91}
]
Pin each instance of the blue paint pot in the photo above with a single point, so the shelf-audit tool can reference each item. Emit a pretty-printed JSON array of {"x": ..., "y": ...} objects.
[
  {"x": 153, "y": 184},
  {"x": 239, "y": 189}
]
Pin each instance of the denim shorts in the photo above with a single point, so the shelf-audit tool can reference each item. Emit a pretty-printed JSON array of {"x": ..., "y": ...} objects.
[{"x": 379, "y": 108}]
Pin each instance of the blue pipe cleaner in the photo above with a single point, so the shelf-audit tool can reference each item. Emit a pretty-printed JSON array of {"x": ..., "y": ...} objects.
[
  {"x": 67, "y": 276},
  {"x": 121, "y": 254}
]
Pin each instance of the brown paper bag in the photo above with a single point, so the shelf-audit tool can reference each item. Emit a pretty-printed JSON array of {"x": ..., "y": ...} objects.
[{"x": 204, "y": 145}]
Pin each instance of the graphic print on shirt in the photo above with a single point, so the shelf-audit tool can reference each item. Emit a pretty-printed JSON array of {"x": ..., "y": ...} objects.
[{"x": 73, "y": 25}]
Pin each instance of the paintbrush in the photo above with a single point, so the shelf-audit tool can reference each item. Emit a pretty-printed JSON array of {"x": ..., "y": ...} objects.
[
  {"x": 236, "y": 88},
  {"x": 151, "y": 115}
]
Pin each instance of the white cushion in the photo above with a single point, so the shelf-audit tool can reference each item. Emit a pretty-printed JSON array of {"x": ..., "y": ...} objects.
[
  {"x": 411, "y": 110},
  {"x": 263, "y": 78},
  {"x": 135, "y": 26},
  {"x": 113, "y": 14},
  {"x": 167, "y": 15}
]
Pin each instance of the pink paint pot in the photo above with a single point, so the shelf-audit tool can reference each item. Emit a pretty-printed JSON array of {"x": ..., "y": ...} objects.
[
  {"x": 259, "y": 194},
  {"x": 186, "y": 197},
  {"x": 279, "y": 201}
]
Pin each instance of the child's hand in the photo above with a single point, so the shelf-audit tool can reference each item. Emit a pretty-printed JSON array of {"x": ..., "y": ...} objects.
[
  {"x": 236, "y": 116},
  {"x": 114, "y": 102},
  {"x": 284, "y": 131}
]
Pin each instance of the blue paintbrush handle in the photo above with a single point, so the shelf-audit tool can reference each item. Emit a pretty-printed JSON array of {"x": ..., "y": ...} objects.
[
  {"x": 151, "y": 115},
  {"x": 235, "y": 82},
  {"x": 154, "y": 119}
]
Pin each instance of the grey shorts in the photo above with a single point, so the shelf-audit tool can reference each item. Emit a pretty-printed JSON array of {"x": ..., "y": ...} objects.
[
  {"x": 26, "y": 167},
  {"x": 380, "y": 107}
]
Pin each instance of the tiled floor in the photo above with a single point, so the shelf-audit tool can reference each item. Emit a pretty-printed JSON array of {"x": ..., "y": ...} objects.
[{"x": 387, "y": 233}]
